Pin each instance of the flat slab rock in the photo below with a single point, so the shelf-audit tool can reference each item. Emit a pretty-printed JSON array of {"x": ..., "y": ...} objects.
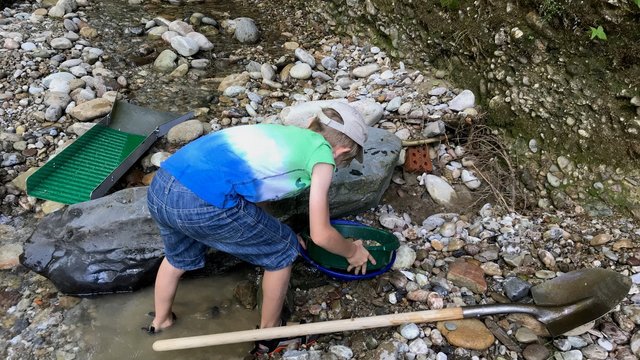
[{"x": 111, "y": 244}]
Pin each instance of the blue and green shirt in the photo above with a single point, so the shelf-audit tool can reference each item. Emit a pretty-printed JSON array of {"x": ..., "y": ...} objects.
[{"x": 258, "y": 162}]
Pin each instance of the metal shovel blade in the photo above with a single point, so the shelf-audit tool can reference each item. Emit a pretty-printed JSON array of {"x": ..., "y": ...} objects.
[{"x": 578, "y": 297}]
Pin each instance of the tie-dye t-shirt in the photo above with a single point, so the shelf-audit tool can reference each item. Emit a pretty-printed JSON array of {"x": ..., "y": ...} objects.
[{"x": 258, "y": 162}]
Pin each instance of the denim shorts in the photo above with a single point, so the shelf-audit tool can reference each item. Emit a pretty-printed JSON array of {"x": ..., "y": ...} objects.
[{"x": 189, "y": 226}]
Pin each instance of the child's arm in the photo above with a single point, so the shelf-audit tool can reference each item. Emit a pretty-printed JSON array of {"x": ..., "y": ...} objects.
[{"x": 321, "y": 231}]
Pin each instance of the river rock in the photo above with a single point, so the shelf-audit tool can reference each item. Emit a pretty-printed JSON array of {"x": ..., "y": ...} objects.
[
  {"x": 341, "y": 352},
  {"x": 180, "y": 27},
  {"x": 635, "y": 344},
  {"x": 62, "y": 76},
  {"x": 405, "y": 256},
  {"x": 439, "y": 190},
  {"x": 434, "y": 128},
  {"x": 184, "y": 46},
  {"x": 201, "y": 40},
  {"x": 92, "y": 109},
  {"x": 409, "y": 331},
  {"x": 536, "y": 352},
  {"x": 300, "y": 71},
  {"x": 234, "y": 79},
  {"x": 9, "y": 256},
  {"x": 465, "y": 99},
  {"x": 515, "y": 288},
  {"x": 469, "y": 334},
  {"x": 305, "y": 57},
  {"x": 470, "y": 180},
  {"x": 61, "y": 43},
  {"x": 370, "y": 110},
  {"x": 106, "y": 245},
  {"x": 471, "y": 276},
  {"x": 365, "y": 71},
  {"x": 166, "y": 61},
  {"x": 246, "y": 31},
  {"x": 185, "y": 132}
]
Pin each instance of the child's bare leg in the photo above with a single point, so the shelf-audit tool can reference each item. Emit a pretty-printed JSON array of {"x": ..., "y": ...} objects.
[
  {"x": 274, "y": 291},
  {"x": 164, "y": 293}
]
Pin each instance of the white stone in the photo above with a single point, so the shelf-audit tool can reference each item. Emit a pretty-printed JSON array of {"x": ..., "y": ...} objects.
[
  {"x": 61, "y": 43},
  {"x": 365, "y": 71},
  {"x": 159, "y": 157},
  {"x": 370, "y": 110},
  {"x": 553, "y": 180},
  {"x": 390, "y": 221},
  {"x": 394, "y": 104},
  {"x": 60, "y": 85},
  {"x": 180, "y": 27},
  {"x": 419, "y": 347},
  {"x": 405, "y": 256},
  {"x": 305, "y": 57},
  {"x": 234, "y": 90},
  {"x": 201, "y": 40},
  {"x": 409, "y": 331},
  {"x": 439, "y": 189},
  {"x": 470, "y": 180},
  {"x": 341, "y": 352},
  {"x": 184, "y": 46},
  {"x": 300, "y": 71},
  {"x": 465, "y": 99}
]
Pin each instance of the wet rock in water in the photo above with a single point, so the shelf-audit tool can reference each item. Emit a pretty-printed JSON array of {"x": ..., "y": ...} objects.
[
  {"x": 246, "y": 294},
  {"x": 469, "y": 334}
]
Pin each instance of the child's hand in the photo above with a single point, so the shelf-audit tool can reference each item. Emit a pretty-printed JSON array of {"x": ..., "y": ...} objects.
[{"x": 358, "y": 261}]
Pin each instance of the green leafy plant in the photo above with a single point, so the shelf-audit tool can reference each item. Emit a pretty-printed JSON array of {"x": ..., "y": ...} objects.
[
  {"x": 550, "y": 9},
  {"x": 598, "y": 33},
  {"x": 637, "y": 2}
]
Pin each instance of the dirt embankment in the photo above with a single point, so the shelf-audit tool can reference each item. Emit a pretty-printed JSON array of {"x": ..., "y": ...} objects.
[{"x": 546, "y": 77}]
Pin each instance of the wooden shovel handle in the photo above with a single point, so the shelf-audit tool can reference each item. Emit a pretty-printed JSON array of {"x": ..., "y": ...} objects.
[{"x": 308, "y": 329}]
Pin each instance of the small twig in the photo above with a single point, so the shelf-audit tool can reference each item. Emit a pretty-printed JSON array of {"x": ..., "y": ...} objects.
[{"x": 423, "y": 141}]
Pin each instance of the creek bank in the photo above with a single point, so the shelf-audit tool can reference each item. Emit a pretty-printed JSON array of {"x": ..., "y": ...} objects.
[{"x": 538, "y": 77}]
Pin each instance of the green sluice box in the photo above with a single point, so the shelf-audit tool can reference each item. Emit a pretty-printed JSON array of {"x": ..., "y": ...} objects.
[{"x": 91, "y": 165}]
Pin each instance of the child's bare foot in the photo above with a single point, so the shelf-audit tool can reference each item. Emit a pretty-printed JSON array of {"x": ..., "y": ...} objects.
[{"x": 156, "y": 327}]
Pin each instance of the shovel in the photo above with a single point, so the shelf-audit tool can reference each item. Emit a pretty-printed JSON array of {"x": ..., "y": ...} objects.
[{"x": 562, "y": 304}]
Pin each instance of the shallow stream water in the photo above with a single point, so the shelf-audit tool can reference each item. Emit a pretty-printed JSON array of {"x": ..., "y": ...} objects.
[
  {"x": 203, "y": 306},
  {"x": 117, "y": 21}
]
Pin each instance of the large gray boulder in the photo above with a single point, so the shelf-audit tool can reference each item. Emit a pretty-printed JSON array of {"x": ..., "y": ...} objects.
[{"x": 111, "y": 244}]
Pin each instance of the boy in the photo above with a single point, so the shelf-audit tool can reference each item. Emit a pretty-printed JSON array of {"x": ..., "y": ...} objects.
[{"x": 205, "y": 194}]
